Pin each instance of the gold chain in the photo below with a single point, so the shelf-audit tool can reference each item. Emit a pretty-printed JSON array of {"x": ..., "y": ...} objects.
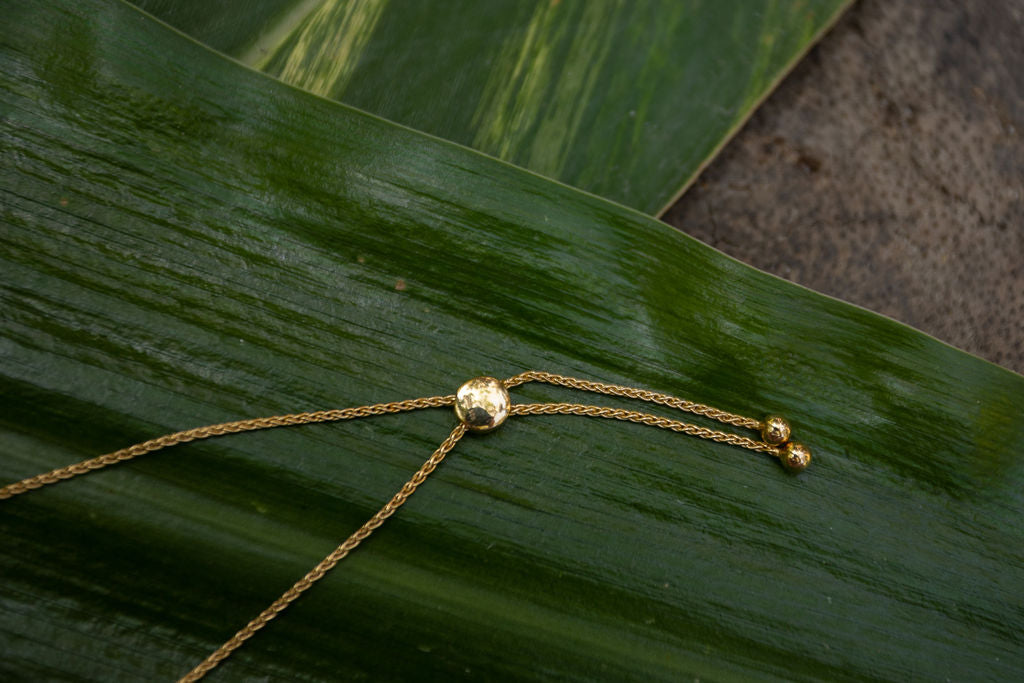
[
  {"x": 632, "y": 392},
  {"x": 642, "y": 418},
  {"x": 206, "y": 432},
  {"x": 327, "y": 564},
  {"x": 480, "y": 404}
]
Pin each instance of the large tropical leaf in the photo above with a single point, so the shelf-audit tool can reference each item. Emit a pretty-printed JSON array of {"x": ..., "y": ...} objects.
[
  {"x": 186, "y": 241},
  {"x": 625, "y": 99}
]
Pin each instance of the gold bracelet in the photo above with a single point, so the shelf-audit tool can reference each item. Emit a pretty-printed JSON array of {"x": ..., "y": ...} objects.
[{"x": 481, "y": 404}]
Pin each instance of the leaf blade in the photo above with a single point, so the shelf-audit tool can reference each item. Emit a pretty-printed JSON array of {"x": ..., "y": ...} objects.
[{"x": 228, "y": 249}]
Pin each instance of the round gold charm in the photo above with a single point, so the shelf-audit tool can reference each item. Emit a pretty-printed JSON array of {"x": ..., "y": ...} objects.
[
  {"x": 775, "y": 430},
  {"x": 795, "y": 457},
  {"x": 482, "y": 403}
]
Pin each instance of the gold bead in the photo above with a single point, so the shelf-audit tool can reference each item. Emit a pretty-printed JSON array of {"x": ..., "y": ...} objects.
[
  {"x": 795, "y": 457},
  {"x": 482, "y": 403},
  {"x": 775, "y": 430}
]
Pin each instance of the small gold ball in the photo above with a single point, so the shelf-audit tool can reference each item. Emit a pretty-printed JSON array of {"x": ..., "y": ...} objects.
[
  {"x": 795, "y": 457},
  {"x": 482, "y": 403},
  {"x": 775, "y": 430}
]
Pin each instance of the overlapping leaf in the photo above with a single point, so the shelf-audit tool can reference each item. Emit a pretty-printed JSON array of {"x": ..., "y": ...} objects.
[{"x": 625, "y": 99}]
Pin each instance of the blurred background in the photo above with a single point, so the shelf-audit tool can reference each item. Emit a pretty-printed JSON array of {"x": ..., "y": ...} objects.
[{"x": 888, "y": 170}]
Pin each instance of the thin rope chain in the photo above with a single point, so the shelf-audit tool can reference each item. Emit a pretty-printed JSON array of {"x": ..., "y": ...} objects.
[
  {"x": 642, "y": 418},
  {"x": 206, "y": 432},
  {"x": 326, "y": 564},
  {"x": 633, "y": 392},
  {"x": 339, "y": 553}
]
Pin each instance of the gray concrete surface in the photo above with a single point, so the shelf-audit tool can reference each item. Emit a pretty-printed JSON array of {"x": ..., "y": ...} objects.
[{"x": 888, "y": 170}]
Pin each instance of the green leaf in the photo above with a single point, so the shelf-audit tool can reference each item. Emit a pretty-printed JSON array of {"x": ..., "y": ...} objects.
[
  {"x": 186, "y": 241},
  {"x": 627, "y": 100}
]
